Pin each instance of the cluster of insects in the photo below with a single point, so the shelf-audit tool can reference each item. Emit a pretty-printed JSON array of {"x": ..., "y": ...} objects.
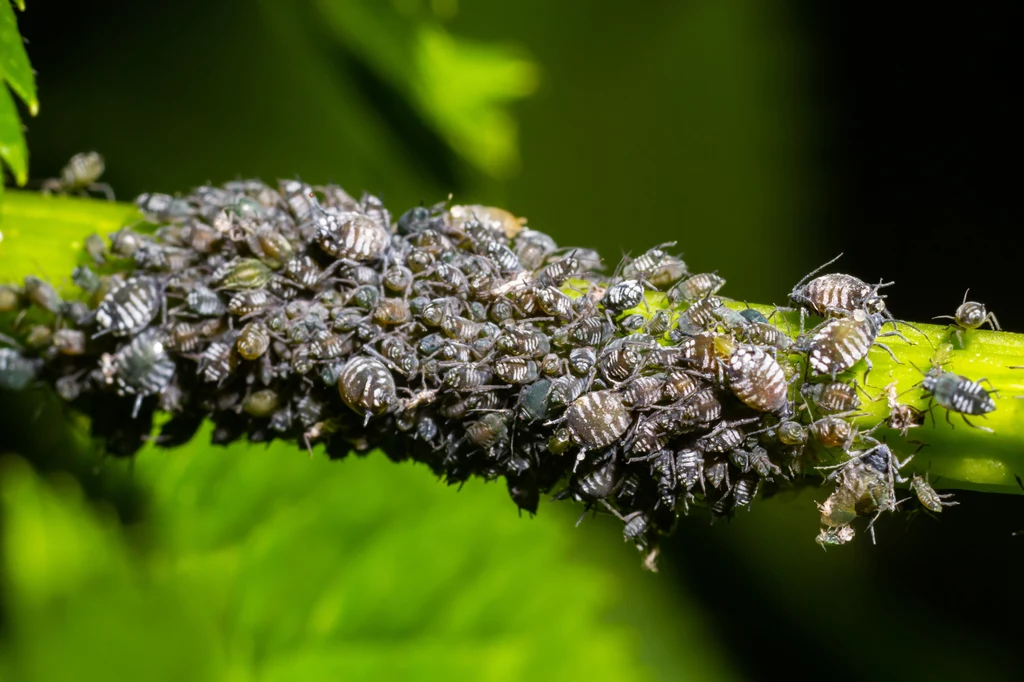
[{"x": 461, "y": 338}]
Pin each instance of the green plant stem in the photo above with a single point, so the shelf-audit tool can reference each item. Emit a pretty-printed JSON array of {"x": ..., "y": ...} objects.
[{"x": 45, "y": 235}]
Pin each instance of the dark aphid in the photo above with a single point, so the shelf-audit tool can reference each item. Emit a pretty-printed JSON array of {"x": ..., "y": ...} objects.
[
  {"x": 832, "y": 397},
  {"x": 245, "y": 303},
  {"x": 80, "y": 173},
  {"x": 647, "y": 262},
  {"x": 96, "y": 249},
  {"x": 39, "y": 336},
  {"x": 699, "y": 410},
  {"x": 832, "y": 432},
  {"x": 302, "y": 360},
  {"x": 182, "y": 337},
  {"x": 270, "y": 246},
  {"x": 522, "y": 340},
  {"x": 651, "y": 434},
  {"x": 643, "y": 391},
  {"x": 128, "y": 307},
  {"x": 125, "y": 241},
  {"x": 696, "y": 287},
  {"x": 716, "y": 473},
  {"x": 85, "y": 279},
  {"x": 465, "y": 376},
  {"x": 764, "y": 334},
  {"x": 327, "y": 346},
  {"x": 582, "y": 360},
  {"x": 840, "y": 343},
  {"x": 566, "y": 389},
  {"x": 867, "y": 483},
  {"x": 42, "y": 294},
  {"x": 205, "y": 302},
  {"x": 497, "y": 219},
  {"x": 724, "y": 437},
  {"x": 756, "y": 378},
  {"x": 487, "y": 431},
  {"x": 391, "y": 311},
  {"x": 754, "y": 316},
  {"x": 632, "y": 323},
  {"x": 261, "y": 404},
  {"x": 398, "y": 279},
  {"x": 701, "y": 315},
  {"x": 690, "y": 468},
  {"x": 902, "y": 417},
  {"x": 162, "y": 207},
  {"x": 69, "y": 341},
  {"x": 926, "y": 495},
  {"x": 242, "y": 273},
  {"x": 761, "y": 463},
  {"x": 958, "y": 394},
  {"x": 534, "y": 401},
  {"x": 637, "y": 524},
  {"x": 623, "y": 296},
  {"x": 554, "y": 302},
  {"x": 837, "y": 293},
  {"x": 17, "y": 371},
  {"x": 503, "y": 257},
  {"x": 365, "y": 297},
  {"x": 400, "y": 354},
  {"x": 76, "y": 312},
  {"x": 253, "y": 341},
  {"x": 69, "y": 387},
  {"x": 459, "y": 327},
  {"x": 619, "y": 363},
  {"x": 970, "y": 315},
  {"x": 514, "y": 370},
  {"x": 351, "y": 235},
  {"x": 367, "y": 386},
  {"x": 142, "y": 367},
  {"x": 532, "y": 247},
  {"x": 217, "y": 361},
  {"x": 670, "y": 271},
  {"x": 680, "y": 385},
  {"x": 418, "y": 219},
  {"x": 743, "y": 492},
  {"x": 659, "y": 323},
  {"x": 558, "y": 273},
  {"x": 303, "y": 270},
  {"x": 597, "y": 484},
  {"x": 596, "y": 420},
  {"x": 700, "y": 351},
  {"x": 591, "y": 331}
]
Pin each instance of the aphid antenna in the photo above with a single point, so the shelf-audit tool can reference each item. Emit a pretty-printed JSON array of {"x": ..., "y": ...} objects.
[{"x": 815, "y": 271}]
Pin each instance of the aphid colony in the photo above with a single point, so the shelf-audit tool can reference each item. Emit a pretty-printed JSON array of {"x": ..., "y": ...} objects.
[{"x": 461, "y": 338}]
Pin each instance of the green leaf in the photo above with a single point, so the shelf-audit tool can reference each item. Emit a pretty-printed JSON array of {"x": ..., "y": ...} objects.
[
  {"x": 462, "y": 88},
  {"x": 16, "y": 71}
]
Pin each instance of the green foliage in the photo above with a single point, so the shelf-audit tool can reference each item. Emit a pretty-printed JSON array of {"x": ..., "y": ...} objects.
[
  {"x": 461, "y": 87},
  {"x": 266, "y": 564},
  {"x": 17, "y": 73}
]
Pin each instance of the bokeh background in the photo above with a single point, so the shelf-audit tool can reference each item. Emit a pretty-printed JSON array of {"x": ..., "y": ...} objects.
[{"x": 765, "y": 138}]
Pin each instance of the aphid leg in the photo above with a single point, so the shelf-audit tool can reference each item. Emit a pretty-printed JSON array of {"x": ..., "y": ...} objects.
[
  {"x": 973, "y": 426},
  {"x": 108, "y": 192}
]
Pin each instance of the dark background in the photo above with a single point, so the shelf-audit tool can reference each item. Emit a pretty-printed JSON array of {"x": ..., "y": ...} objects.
[{"x": 765, "y": 140}]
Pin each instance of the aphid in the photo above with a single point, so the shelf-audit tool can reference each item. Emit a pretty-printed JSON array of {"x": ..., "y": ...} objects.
[
  {"x": 596, "y": 420},
  {"x": 841, "y": 343},
  {"x": 162, "y": 207},
  {"x": 902, "y": 417},
  {"x": 39, "y": 336},
  {"x": 566, "y": 389},
  {"x": 497, "y": 219},
  {"x": 646, "y": 262},
  {"x": 10, "y": 298},
  {"x": 303, "y": 270},
  {"x": 42, "y": 294},
  {"x": 832, "y": 432},
  {"x": 253, "y": 341},
  {"x": 680, "y": 385},
  {"x": 514, "y": 370},
  {"x": 125, "y": 241},
  {"x": 242, "y": 273},
  {"x": 637, "y": 524},
  {"x": 659, "y": 323},
  {"x": 142, "y": 367},
  {"x": 351, "y": 235},
  {"x": 792, "y": 433},
  {"x": 129, "y": 307},
  {"x": 632, "y": 323},
  {"x": 487, "y": 431},
  {"x": 867, "y": 483},
  {"x": 532, "y": 247},
  {"x": 724, "y": 437},
  {"x": 465, "y": 376},
  {"x": 367, "y": 386},
  {"x": 689, "y": 466},
  {"x": 700, "y": 351},
  {"x": 261, "y": 404},
  {"x": 970, "y": 315},
  {"x": 926, "y": 495},
  {"x": 696, "y": 287},
  {"x": 650, "y": 434},
  {"x": 596, "y": 484},
  {"x": 522, "y": 340},
  {"x": 392, "y": 311},
  {"x": 717, "y": 474},
  {"x": 623, "y": 296},
  {"x": 832, "y": 397},
  {"x": 69, "y": 341},
  {"x": 555, "y": 303},
  {"x": 756, "y": 378},
  {"x": 591, "y": 331},
  {"x": 534, "y": 401},
  {"x": 743, "y": 492},
  {"x": 958, "y": 394},
  {"x": 96, "y": 249},
  {"x": 701, "y": 409},
  {"x": 558, "y": 273},
  {"x": 643, "y": 391},
  {"x": 836, "y": 293},
  {"x": 503, "y": 257},
  {"x": 582, "y": 360},
  {"x": 217, "y": 361},
  {"x": 398, "y": 279},
  {"x": 205, "y": 302},
  {"x": 85, "y": 279},
  {"x": 619, "y": 363},
  {"x": 246, "y": 303},
  {"x": 80, "y": 173},
  {"x": 764, "y": 334},
  {"x": 459, "y": 327},
  {"x": 17, "y": 371}
]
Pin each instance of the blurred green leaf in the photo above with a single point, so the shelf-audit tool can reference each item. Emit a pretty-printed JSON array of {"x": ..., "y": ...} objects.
[
  {"x": 16, "y": 71},
  {"x": 462, "y": 88}
]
